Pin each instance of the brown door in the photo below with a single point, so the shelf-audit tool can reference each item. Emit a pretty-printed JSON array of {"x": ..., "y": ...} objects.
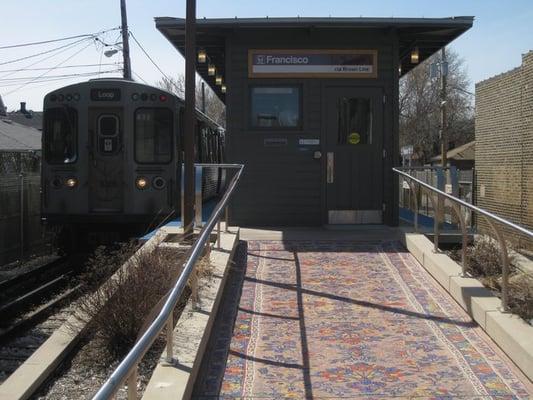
[
  {"x": 354, "y": 155},
  {"x": 106, "y": 161}
]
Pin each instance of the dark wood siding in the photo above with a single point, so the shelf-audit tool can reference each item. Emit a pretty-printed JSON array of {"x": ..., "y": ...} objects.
[{"x": 284, "y": 185}]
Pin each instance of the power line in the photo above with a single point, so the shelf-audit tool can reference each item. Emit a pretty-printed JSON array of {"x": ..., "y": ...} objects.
[
  {"x": 147, "y": 55},
  {"x": 65, "y": 77},
  {"x": 44, "y": 52},
  {"x": 86, "y": 35},
  {"x": 44, "y": 77},
  {"x": 64, "y": 66},
  {"x": 138, "y": 76},
  {"x": 66, "y": 48},
  {"x": 44, "y": 73}
]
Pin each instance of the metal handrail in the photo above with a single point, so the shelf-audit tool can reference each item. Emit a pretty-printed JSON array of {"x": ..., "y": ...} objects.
[
  {"x": 456, "y": 206},
  {"x": 127, "y": 369}
]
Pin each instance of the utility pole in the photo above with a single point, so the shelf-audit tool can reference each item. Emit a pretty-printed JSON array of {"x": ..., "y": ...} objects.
[
  {"x": 190, "y": 105},
  {"x": 443, "y": 95},
  {"x": 125, "y": 40}
]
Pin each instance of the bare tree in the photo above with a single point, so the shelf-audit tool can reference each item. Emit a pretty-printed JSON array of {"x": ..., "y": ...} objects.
[
  {"x": 420, "y": 107},
  {"x": 214, "y": 108}
]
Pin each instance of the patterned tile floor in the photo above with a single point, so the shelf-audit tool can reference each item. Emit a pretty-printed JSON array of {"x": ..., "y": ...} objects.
[{"x": 322, "y": 319}]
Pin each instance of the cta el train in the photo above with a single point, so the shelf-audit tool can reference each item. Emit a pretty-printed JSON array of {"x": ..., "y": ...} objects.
[{"x": 112, "y": 157}]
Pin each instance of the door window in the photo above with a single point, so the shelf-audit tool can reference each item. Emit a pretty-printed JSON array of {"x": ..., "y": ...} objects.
[
  {"x": 354, "y": 121},
  {"x": 108, "y": 125}
]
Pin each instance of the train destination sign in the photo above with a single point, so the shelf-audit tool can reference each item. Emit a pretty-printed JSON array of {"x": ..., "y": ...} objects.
[
  {"x": 312, "y": 63},
  {"x": 105, "y": 94}
]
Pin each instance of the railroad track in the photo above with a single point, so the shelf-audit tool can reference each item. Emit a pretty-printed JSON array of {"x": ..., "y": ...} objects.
[
  {"x": 42, "y": 288},
  {"x": 29, "y": 304}
]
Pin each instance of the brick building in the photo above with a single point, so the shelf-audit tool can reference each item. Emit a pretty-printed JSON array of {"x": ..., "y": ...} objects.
[{"x": 504, "y": 146}]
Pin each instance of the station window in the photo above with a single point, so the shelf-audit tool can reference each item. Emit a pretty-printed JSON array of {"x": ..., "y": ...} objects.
[
  {"x": 153, "y": 135},
  {"x": 354, "y": 121},
  {"x": 276, "y": 107},
  {"x": 61, "y": 135}
]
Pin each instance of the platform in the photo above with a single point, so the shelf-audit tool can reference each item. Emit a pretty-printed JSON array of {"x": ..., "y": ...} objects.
[{"x": 345, "y": 314}]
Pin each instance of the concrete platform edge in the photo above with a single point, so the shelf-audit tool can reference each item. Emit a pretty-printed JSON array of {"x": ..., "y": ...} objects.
[
  {"x": 27, "y": 379},
  {"x": 193, "y": 330},
  {"x": 512, "y": 334}
]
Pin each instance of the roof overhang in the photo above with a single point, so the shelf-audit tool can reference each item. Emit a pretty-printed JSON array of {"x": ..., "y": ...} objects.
[{"x": 428, "y": 34}]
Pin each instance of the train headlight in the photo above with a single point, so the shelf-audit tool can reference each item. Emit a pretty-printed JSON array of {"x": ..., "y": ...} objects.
[
  {"x": 71, "y": 182},
  {"x": 141, "y": 183}
]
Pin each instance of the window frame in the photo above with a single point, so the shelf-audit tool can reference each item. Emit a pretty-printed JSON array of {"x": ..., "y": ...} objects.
[
  {"x": 46, "y": 135},
  {"x": 172, "y": 132},
  {"x": 297, "y": 128}
]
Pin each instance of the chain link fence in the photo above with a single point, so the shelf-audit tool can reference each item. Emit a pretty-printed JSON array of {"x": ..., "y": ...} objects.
[{"x": 21, "y": 232}]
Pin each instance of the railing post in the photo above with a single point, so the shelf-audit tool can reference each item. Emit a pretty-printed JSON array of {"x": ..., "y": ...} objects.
[
  {"x": 194, "y": 291},
  {"x": 226, "y": 218},
  {"x": 198, "y": 196},
  {"x": 132, "y": 384},
  {"x": 218, "y": 234},
  {"x": 504, "y": 255},
  {"x": 462, "y": 222},
  {"x": 413, "y": 190},
  {"x": 170, "y": 339}
]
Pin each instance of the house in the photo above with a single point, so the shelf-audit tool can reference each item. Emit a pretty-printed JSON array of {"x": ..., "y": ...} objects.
[
  {"x": 462, "y": 157},
  {"x": 20, "y": 147},
  {"x": 27, "y": 117}
]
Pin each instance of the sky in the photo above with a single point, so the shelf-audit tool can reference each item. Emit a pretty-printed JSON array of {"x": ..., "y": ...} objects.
[{"x": 502, "y": 31}]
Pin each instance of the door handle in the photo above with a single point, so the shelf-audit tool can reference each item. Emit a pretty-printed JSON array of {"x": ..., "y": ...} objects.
[{"x": 329, "y": 167}]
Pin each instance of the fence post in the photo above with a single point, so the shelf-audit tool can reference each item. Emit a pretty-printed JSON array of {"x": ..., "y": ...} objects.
[{"x": 21, "y": 199}]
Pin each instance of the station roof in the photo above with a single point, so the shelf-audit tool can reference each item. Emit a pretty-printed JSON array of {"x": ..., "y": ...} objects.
[{"x": 428, "y": 34}]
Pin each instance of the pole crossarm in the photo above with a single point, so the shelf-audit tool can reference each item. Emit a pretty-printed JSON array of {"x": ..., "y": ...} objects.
[{"x": 128, "y": 366}]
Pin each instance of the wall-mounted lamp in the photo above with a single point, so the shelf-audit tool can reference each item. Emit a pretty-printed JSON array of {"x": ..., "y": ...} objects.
[
  {"x": 223, "y": 88},
  {"x": 400, "y": 69},
  {"x": 202, "y": 56},
  {"x": 415, "y": 56},
  {"x": 218, "y": 80},
  {"x": 211, "y": 70}
]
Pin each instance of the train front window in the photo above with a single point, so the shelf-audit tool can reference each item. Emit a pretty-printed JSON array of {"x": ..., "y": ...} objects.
[
  {"x": 61, "y": 135},
  {"x": 153, "y": 135}
]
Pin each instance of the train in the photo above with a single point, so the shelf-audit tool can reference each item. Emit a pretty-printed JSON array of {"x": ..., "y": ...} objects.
[{"x": 112, "y": 159}]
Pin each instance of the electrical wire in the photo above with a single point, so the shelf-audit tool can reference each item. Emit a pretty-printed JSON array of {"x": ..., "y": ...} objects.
[
  {"x": 66, "y": 77},
  {"x": 64, "y": 66},
  {"x": 65, "y": 48},
  {"x": 147, "y": 55},
  {"x": 51, "y": 69},
  {"x": 11, "y": 80},
  {"x": 138, "y": 76},
  {"x": 86, "y": 35}
]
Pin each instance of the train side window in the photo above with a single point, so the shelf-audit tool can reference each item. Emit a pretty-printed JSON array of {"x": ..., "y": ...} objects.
[
  {"x": 61, "y": 135},
  {"x": 153, "y": 135},
  {"x": 277, "y": 107}
]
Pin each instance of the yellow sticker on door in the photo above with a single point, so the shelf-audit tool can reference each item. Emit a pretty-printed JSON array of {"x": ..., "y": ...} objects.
[{"x": 354, "y": 138}]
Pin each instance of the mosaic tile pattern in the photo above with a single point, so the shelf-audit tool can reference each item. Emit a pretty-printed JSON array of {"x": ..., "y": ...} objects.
[{"x": 341, "y": 320}]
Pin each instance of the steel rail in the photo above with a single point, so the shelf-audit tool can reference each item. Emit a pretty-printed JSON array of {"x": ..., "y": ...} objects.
[
  {"x": 488, "y": 214},
  {"x": 128, "y": 366},
  {"x": 456, "y": 204}
]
